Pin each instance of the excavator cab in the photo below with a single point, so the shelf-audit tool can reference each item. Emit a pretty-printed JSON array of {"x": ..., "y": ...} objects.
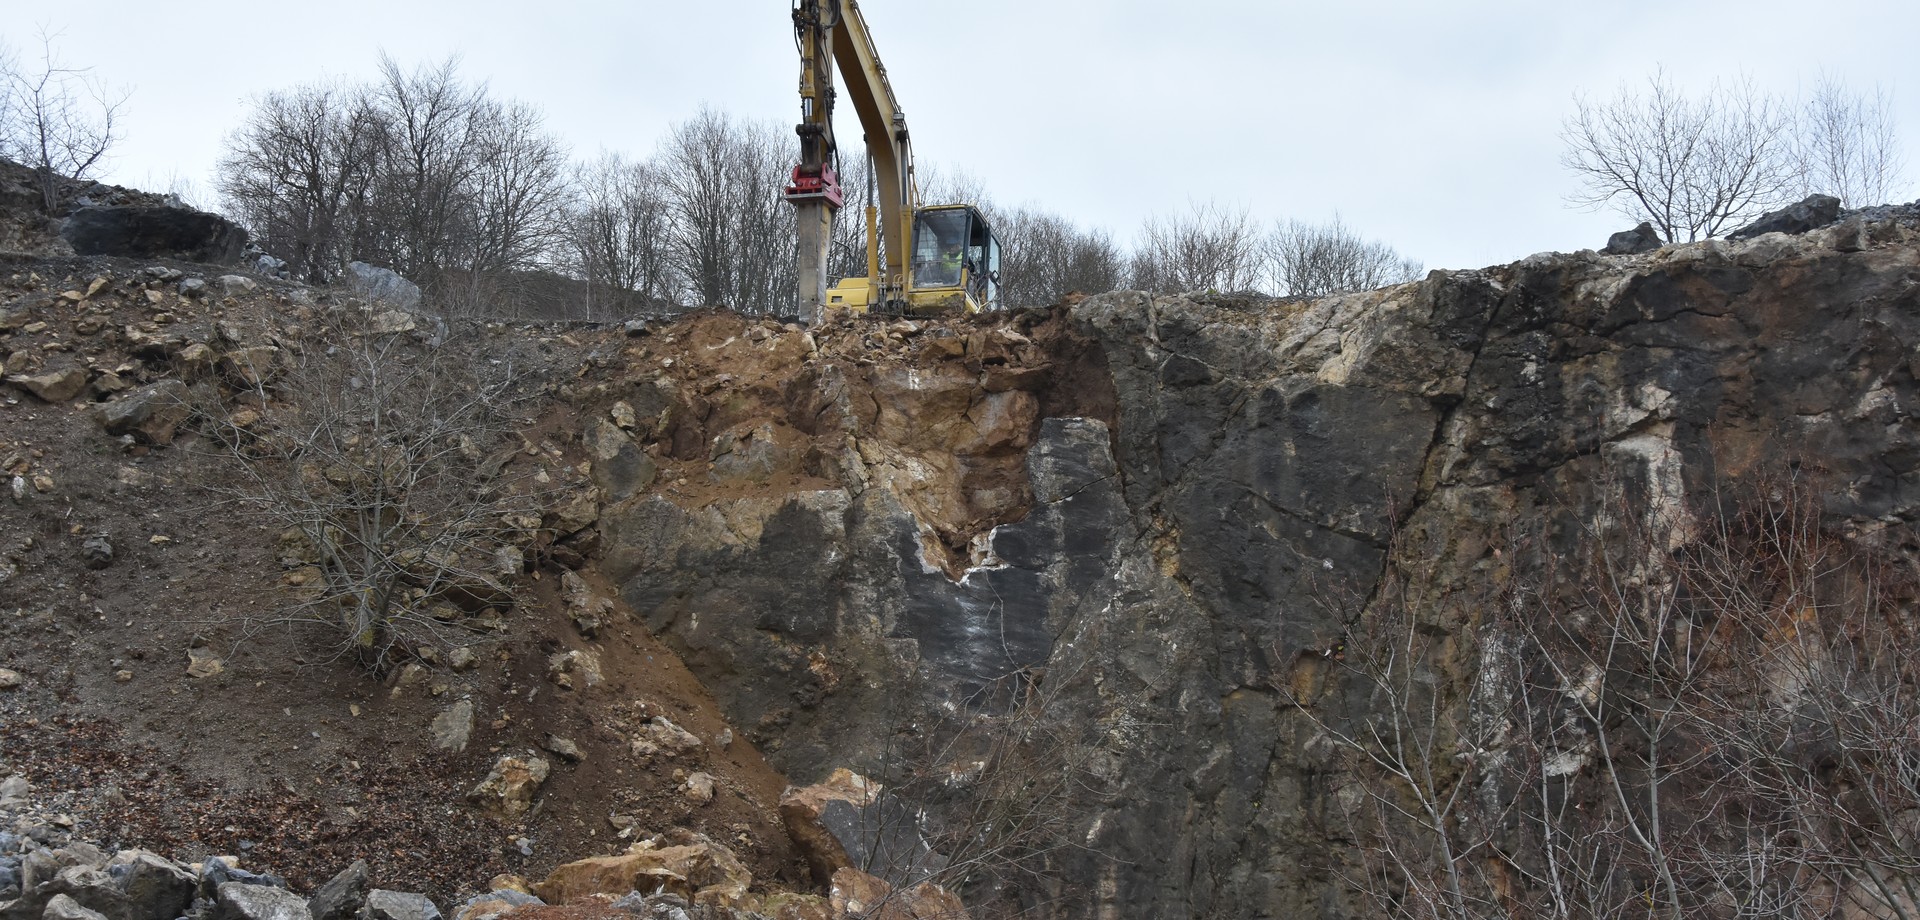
[{"x": 956, "y": 261}]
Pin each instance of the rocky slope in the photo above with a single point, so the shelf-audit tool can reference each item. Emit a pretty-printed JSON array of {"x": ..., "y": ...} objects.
[{"x": 1135, "y": 524}]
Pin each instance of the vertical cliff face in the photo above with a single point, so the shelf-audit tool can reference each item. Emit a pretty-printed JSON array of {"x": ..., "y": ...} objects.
[{"x": 1198, "y": 512}]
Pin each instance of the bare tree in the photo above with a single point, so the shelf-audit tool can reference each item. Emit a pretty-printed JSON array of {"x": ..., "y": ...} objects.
[
  {"x": 734, "y": 231},
  {"x": 420, "y": 171},
  {"x": 1045, "y": 257},
  {"x": 621, "y": 236},
  {"x": 1319, "y": 259},
  {"x": 1210, "y": 247},
  {"x": 298, "y": 175},
  {"x": 387, "y": 462},
  {"x": 1847, "y": 144},
  {"x": 1693, "y": 166},
  {"x": 58, "y": 119},
  {"x": 519, "y": 193},
  {"x": 432, "y": 125}
]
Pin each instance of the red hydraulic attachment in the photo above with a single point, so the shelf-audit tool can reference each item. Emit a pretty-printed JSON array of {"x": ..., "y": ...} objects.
[{"x": 826, "y": 185}]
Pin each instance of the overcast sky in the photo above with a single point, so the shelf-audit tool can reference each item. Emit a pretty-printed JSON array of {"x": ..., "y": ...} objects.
[{"x": 1432, "y": 126}]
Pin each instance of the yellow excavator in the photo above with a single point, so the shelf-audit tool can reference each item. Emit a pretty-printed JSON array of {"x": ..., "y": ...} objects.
[{"x": 950, "y": 262}]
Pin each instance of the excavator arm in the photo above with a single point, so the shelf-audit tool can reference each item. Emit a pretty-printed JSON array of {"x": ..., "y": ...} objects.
[{"x": 829, "y": 31}]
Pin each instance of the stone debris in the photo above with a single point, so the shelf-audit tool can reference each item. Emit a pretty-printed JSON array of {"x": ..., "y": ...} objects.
[
  {"x": 564, "y": 748},
  {"x": 509, "y": 789},
  {"x": 699, "y": 788},
  {"x": 243, "y": 901},
  {"x": 454, "y": 726},
  {"x": 96, "y": 551},
  {"x": 397, "y": 905},
  {"x": 574, "y": 670},
  {"x": 54, "y": 386},
  {"x": 203, "y": 663},
  {"x": 342, "y": 897},
  {"x": 660, "y": 737}
]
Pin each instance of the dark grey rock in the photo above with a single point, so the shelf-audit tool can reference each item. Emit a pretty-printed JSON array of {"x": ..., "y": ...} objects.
[
  {"x": 1809, "y": 213},
  {"x": 155, "y": 232},
  {"x": 217, "y": 872},
  {"x": 152, "y": 414},
  {"x": 1633, "y": 242},
  {"x": 398, "y": 905},
  {"x": 342, "y": 897},
  {"x": 154, "y": 887},
  {"x": 97, "y": 551},
  {"x": 621, "y": 469},
  {"x": 242, "y": 901},
  {"x": 193, "y": 288}
]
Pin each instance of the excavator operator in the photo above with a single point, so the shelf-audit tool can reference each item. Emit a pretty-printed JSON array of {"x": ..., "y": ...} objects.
[{"x": 950, "y": 260}]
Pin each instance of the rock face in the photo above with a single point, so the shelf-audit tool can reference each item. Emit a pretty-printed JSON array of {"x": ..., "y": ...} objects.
[
  {"x": 1263, "y": 468},
  {"x": 155, "y": 233}
]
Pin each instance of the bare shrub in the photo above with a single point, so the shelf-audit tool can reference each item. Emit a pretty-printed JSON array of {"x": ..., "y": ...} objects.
[
  {"x": 1314, "y": 260},
  {"x": 1209, "y": 248},
  {"x": 984, "y": 796},
  {"x": 58, "y": 119},
  {"x": 1709, "y": 714},
  {"x": 384, "y": 465},
  {"x": 1847, "y": 144}
]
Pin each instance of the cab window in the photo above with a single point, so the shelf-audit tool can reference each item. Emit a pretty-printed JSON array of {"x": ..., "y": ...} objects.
[{"x": 941, "y": 241}]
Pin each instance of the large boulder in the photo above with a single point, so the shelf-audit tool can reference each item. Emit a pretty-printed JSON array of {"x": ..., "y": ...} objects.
[
  {"x": 155, "y": 233},
  {"x": 682, "y": 862},
  {"x": 382, "y": 286},
  {"x": 153, "y": 886},
  {"x": 342, "y": 896},
  {"x": 152, "y": 413},
  {"x": 807, "y": 811},
  {"x": 1633, "y": 242},
  {"x": 1809, "y": 213}
]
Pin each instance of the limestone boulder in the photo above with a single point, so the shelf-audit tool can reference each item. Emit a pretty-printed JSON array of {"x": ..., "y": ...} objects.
[
  {"x": 509, "y": 788},
  {"x": 681, "y": 862},
  {"x": 55, "y": 386}
]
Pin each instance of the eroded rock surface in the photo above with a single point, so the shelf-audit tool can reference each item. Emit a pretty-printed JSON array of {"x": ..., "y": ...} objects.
[{"x": 1263, "y": 466}]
